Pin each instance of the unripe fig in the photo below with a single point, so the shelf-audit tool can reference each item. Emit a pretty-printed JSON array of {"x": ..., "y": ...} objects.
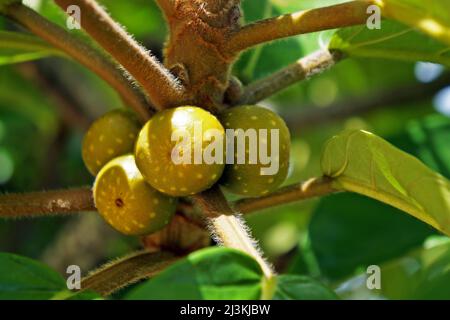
[
  {"x": 110, "y": 136},
  {"x": 258, "y": 176},
  {"x": 175, "y": 148},
  {"x": 127, "y": 202}
]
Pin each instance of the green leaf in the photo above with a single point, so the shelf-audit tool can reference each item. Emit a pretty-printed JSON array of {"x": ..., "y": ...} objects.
[
  {"x": 18, "y": 47},
  {"x": 361, "y": 162},
  {"x": 349, "y": 231},
  {"x": 214, "y": 273},
  {"x": 393, "y": 41},
  {"x": 431, "y": 17},
  {"x": 422, "y": 274},
  {"x": 82, "y": 295},
  {"x": 24, "y": 278},
  {"x": 293, "y": 287}
]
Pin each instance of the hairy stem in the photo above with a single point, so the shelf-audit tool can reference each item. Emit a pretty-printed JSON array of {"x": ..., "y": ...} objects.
[
  {"x": 37, "y": 204},
  {"x": 212, "y": 203},
  {"x": 312, "y": 188},
  {"x": 85, "y": 54},
  {"x": 302, "y": 69},
  {"x": 228, "y": 228},
  {"x": 166, "y": 6},
  {"x": 337, "y": 16},
  {"x": 130, "y": 269},
  {"x": 162, "y": 87}
]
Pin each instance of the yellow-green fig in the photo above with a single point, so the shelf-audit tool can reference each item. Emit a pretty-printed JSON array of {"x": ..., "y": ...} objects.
[
  {"x": 262, "y": 139},
  {"x": 110, "y": 136},
  {"x": 180, "y": 151},
  {"x": 127, "y": 202}
]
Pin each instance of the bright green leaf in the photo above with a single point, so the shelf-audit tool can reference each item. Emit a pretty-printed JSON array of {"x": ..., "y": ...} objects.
[
  {"x": 363, "y": 163},
  {"x": 393, "y": 41},
  {"x": 215, "y": 273},
  {"x": 431, "y": 17},
  {"x": 293, "y": 287},
  {"x": 24, "y": 278}
]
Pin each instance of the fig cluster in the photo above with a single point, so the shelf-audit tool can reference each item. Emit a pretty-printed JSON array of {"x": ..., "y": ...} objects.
[{"x": 140, "y": 171}]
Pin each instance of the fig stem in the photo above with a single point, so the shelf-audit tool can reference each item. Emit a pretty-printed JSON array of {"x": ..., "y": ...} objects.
[
  {"x": 227, "y": 227},
  {"x": 162, "y": 87},
  {"x": 301, "y": 22},
  {"x": 304, "y": 68},
  {"x": 37, "y": 204},
  {"x": 127, "y": 270}
]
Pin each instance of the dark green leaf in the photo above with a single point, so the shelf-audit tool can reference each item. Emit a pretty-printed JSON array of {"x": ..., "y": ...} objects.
[
  {"x": 348, "y": 231},
  {"x": 23, "y": 278},
  {"x": 422, "y": 274},
  {"x": 292, "y": 287}
]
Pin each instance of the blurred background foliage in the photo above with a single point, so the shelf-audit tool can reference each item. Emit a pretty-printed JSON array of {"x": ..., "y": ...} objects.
[{"x": 45, "y": 106}]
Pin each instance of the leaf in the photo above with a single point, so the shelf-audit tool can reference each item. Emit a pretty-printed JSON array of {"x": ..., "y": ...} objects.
[
  {"x": 422, "y": 274},
  {"x": 349, "y": 231},
  {"x": 431, "y": 17},
  {"x": 18, "y": 47},
  {"x": 82, "y": 295},
  {"x": 361, "y": 162},
  {"x": 393, "y": 41},
  {"x": 24, "y": 278},
  {"x": 293, "y": 287},
  {"x": 214, "y": 273}
]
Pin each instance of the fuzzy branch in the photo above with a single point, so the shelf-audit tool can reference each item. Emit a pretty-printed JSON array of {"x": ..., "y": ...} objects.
[
  {"x": 123, "y": 272},
  {"x": 228, "y": 228},
  {"x": 85, "y": 54},
  {"x": 163, "y": 88},
  {"x": 312, "y": 188},
  {"x": 166, "y": 6},
  {"x": 302, "y": 69},
  {"x": 37, "y": 204},
  {"x": 211, "y": 203},
  {"x": 337, "y": 16}
]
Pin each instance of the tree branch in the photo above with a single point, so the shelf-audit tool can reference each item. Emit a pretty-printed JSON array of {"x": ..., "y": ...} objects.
[
  {"x": 163, "y": 88},
  {"x": 85, "y": 54},
  {"x": 123, "y": 272},
  {"x": 37, "y": 204},
  {"x": 311, "y": 116},
  {"x": 337, "y": 16},
  {"x": 228, "y": 228},
  {"x": 312, "y": 188},
  {"x": 302, "y": 69}
]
